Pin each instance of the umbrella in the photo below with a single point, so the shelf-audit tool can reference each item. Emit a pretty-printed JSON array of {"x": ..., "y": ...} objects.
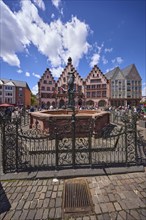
[{"x": 6, "y": 105}]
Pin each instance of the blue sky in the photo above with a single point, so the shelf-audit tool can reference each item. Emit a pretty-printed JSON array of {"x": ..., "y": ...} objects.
[{"x": 40, "y": 34}]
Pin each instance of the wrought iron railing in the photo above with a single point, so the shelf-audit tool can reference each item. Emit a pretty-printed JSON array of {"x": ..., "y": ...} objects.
[{"x": 72, "y": 145}]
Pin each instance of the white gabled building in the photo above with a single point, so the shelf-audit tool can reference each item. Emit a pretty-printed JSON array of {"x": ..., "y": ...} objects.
[
  {"x": 125, "y": 86},
  {"x": 7, "y": 92},
  {"x": 15, "y": 92}
]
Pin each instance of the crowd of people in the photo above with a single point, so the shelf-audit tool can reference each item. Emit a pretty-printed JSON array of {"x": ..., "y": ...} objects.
[
  {"x": 14, "y": 112},
  {"x": 121, "y": 110}
]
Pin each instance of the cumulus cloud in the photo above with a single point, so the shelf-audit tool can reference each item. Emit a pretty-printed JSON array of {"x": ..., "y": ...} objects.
[
  {"x": 104, "y": 60},
  {"x": 27, "y": 74},
  {"x": 74, "y": 40},
  {"x": 10, "y": 58},
  {"x": 12, "y": 39},
  {"x": 40, "y": 4},
  {"x": 56, "y": 40},
  {"x": 117, "y": 60},
  {"x": 35, "y": 89},
  {"x": 108, "y": 50},
  {"x": 52, "y": 15},
  {"x": 56, "y": 72},
  {"x": 94, "y": 59},
  {"x": 56, "y": 3},
  {"x": 97, "y": 54},
  {"x": 36, "y": 75},
  {"x": 100, "y": 48},
  {"x": 19, "y": 71}
]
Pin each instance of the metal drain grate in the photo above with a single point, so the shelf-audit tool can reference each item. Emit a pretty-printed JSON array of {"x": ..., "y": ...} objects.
[{"x": 77, "y": 197}]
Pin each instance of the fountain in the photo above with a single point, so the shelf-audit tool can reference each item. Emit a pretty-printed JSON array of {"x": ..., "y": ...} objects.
[{"x": 84, "y": 120}]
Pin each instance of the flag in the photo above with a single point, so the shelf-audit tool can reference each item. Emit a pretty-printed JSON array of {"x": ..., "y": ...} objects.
[{"x": 64, "y": 90}]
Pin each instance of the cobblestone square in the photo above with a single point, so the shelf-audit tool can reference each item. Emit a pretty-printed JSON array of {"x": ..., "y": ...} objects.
[{"x": 120, "y": 196}]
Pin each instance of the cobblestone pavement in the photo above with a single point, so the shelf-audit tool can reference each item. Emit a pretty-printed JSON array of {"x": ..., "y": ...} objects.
[{"x": 115, "y": 197}]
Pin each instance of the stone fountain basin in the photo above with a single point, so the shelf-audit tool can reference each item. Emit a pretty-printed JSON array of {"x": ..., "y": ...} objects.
[{"x": 60, "y": 122}]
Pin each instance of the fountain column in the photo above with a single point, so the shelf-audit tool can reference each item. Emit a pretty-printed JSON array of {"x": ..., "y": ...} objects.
[
  {"x": 71, "y": 105},
  {"x": 71, "y": 101}
]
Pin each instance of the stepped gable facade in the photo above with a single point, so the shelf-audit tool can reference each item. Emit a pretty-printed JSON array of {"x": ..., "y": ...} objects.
[
  {"x": 97, "y": 88},
  {"x": 93, "y": 91},
  {"x": 62, "y": 86},
  {"x": 118, "y": 87},
  {"x": 46, "y": 89}
]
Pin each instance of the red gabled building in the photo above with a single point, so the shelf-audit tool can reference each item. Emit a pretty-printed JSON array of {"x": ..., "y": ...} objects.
[
  {"x": 15, "y": 92},
  {"x": 90, "y": 92},
  {"x": 96, "y": 88}
]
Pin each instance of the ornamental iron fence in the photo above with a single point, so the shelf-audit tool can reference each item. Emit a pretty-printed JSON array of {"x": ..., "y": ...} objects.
[{"x": 74, "y": 144}]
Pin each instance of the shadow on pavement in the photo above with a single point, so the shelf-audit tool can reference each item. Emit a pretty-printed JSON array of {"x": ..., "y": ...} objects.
[{"x": 4, "y": 202}]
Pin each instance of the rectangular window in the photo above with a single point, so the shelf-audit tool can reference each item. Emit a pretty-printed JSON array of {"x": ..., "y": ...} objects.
[
  {"x": 8, "y": 94},
  {"x": 103, "y": 85},
  {"x": 128, "y": 88},
  {"x": 48, "y": 95},
  {"x": 8, "y": 88},
  {"x": 104, "y": 94},
  {"x": 44, "y": 95},
  {"x": 93, "y": 94},
  {"x": 79, "y": 88},
  {"x": 43, "y": 88},
  {"x": 8, "y": 100},
  {"x": 95, "y": 80},
  {"x": 98, "y": 94},
  {"x": 50, "y": 82},
  {"x": 88, "y": 94}
]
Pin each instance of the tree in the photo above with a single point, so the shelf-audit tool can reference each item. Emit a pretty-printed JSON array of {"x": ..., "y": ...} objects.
[{"x": 34, "y": 100}]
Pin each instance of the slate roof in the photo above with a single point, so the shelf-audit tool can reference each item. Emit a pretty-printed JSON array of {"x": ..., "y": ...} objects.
[
  {"x": 17, "y": 83},
  {"x": 110, "y": 74},
  {"x": 127, "y": 69}
]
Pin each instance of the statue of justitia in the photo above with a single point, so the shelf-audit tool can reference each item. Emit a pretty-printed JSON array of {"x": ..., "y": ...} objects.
[{"x": 71, "y": 89}]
